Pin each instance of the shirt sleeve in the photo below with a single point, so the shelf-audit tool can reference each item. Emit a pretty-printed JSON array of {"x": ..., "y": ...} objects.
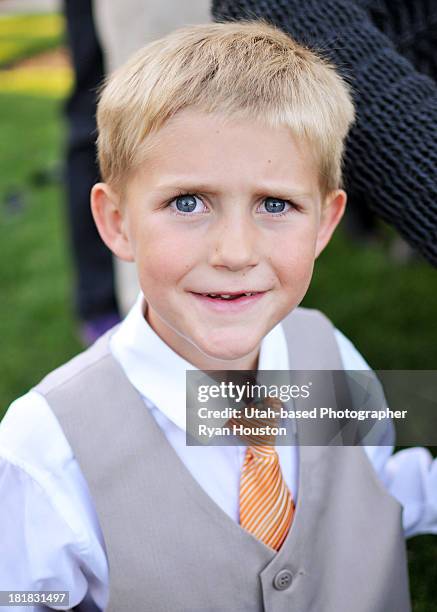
[
  {"x": 47, "y": 539},
  {"x": 410, "y": 475},
  {"x": 37, "y": 548}
]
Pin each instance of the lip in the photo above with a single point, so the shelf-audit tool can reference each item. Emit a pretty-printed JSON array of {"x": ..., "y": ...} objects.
[{"x": 231, "y": 306}]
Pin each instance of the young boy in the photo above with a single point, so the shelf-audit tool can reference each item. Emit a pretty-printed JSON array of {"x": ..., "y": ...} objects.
[{"x": 220, "y": 149}]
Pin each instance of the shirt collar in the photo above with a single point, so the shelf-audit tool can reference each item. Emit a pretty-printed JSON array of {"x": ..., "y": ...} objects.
[{"x": 158, "y": 373}]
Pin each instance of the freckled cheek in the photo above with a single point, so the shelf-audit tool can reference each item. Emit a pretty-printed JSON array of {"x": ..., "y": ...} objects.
[
  {"x": 293, "y": 265},
  {"x": 164, "y": 257}
]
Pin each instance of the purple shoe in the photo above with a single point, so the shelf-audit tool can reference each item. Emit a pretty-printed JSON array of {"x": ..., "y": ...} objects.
[{"x": 91, "y": 329}]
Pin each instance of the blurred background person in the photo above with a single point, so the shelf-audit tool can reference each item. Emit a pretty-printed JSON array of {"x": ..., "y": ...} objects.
[{"x": 95, "y": 300}]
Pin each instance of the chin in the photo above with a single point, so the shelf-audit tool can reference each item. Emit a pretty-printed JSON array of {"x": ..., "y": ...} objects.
[
  {"x": 227, "y": 350},
  {"x": 227, "y": 354}
]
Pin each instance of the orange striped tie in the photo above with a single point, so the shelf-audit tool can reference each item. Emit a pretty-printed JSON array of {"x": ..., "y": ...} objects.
[{"x": 266, "y": 504}]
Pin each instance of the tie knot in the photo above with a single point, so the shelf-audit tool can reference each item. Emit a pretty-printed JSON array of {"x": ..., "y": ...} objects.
[
  {"x": 264, "y": 453},
  {"x": 256, "y": 423}
]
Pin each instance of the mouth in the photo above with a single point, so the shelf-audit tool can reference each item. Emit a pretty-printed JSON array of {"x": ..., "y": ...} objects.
[
  {"x": 229, "y": 301},
  {"x": 229, "y": 295}
]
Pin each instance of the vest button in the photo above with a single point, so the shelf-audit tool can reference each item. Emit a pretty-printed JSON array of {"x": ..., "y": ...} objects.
[{"x": 282, "y": 580}]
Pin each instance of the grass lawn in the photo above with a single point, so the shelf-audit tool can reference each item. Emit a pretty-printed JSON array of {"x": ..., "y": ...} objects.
[
  {"x": 388, "y": 310},
  {"x": 36, "y": 322}
]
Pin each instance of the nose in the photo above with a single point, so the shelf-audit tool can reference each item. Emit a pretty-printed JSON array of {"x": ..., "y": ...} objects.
[{"x": 234, "y": 243}]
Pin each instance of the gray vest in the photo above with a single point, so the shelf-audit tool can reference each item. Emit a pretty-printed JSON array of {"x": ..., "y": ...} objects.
[{"x": 172, "y": 549}]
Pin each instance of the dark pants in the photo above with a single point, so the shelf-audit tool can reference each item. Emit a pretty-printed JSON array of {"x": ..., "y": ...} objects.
[{"x": 92, "y": 259}]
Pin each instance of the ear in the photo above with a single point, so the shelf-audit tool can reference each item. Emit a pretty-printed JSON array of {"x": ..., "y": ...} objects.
[
  {"x": 111, "y": 224},
  {"x": 332, "y": 212}
]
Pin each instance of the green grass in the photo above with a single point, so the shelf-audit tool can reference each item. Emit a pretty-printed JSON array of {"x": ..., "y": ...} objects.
[
  {"x": 22, "y": 36},
  {"x": 388, "y": 310},
  {"x": 36, "y": 321}
]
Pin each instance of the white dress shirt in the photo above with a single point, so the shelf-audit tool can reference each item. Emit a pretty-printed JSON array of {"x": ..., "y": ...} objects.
[{"x": 50, "y": 538}]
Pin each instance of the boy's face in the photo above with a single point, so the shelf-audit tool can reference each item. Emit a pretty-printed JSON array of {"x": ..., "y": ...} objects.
[{"x": 223, "y": 207}]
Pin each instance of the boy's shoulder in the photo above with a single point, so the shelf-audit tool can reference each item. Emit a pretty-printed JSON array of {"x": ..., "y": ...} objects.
[
  {"x": 85, "y": 360},
  {"x": 311, "y": 340}
]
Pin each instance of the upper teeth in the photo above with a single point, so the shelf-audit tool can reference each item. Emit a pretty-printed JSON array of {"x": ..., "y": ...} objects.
[{"x": 224, "y": 295}]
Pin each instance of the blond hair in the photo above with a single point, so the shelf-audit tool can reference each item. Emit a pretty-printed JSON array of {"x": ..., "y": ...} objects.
[{"x": 249, "y": 69}]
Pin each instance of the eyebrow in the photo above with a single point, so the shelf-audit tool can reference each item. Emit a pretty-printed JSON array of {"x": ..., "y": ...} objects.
[
  {"x": 192, "y": 186},
  {"x": 185, "y": 185}
]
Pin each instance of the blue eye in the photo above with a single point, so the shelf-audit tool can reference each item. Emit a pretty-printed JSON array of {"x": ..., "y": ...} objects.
[
  {"x": 275, "y": 205},
  {"x": 185, "y": 203}
]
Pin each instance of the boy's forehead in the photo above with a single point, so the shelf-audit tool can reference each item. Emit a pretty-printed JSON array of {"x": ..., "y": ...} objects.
[{"x": 213, "y": 150}]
